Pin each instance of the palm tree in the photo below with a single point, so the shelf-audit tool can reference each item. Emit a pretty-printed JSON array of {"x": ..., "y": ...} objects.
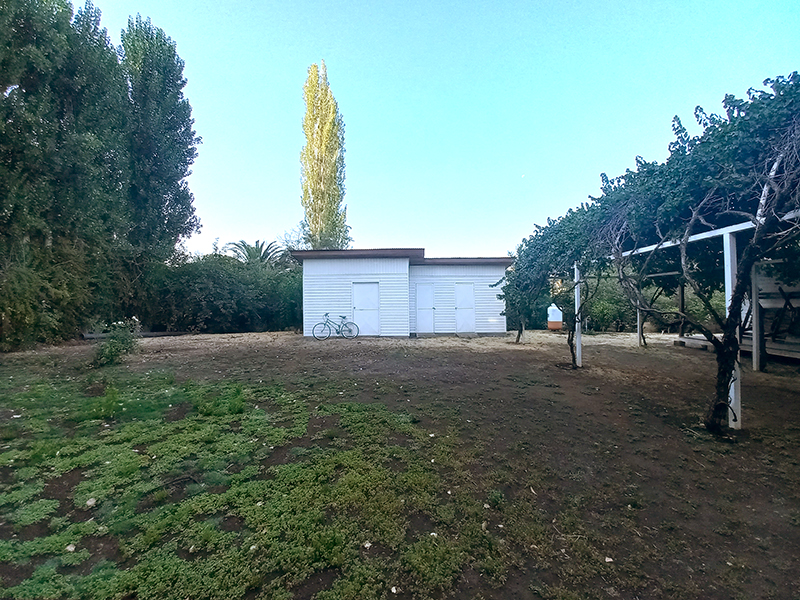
[{"x": 259, "y": 253}]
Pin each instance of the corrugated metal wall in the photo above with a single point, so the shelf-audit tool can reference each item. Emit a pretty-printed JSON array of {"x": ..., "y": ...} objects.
[
  {"x": 488, "y": 309},
  {"x": 328, "y": 287}
]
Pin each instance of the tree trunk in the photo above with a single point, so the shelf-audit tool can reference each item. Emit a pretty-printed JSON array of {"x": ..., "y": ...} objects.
[
  {"x": 762, "y": 341},
  {"x": 727, "y": 354},
  {"x": 728, "y": 349},
  {"x": 571, "y": 344}
]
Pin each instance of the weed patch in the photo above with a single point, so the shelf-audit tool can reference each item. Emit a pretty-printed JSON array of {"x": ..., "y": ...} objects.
[{"x": 193, "y": 506}]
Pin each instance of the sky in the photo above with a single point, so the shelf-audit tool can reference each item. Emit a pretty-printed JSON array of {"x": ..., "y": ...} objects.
[{"x": 466, "y": 123}]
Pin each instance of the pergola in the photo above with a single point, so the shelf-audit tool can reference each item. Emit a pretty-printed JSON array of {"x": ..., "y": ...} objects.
[{"x": 728, "y": 235}]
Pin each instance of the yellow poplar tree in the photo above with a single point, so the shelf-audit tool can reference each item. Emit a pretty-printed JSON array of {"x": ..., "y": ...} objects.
[{"x": 322, "y": 165}]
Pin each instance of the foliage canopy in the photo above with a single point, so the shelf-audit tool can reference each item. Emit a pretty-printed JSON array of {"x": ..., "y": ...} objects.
[
  {"x": 743, "y": 167},
  {"x": 95, "y": 146}
]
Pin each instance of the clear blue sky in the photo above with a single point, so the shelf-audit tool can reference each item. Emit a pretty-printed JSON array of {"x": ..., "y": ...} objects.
[{"x": 466, "y": 122}]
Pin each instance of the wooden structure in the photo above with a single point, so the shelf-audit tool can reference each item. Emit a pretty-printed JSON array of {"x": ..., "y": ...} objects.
[
  {"x": 399, "y": 292},
  {"x": 728, "y": 235}
]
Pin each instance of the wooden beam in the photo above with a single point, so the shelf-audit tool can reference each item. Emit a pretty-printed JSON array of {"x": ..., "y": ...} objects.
[
  {"x": 698, "y": 236},
  {"x": 682, "y": 308},
  {"x": 666, "y": 274},
  {"x": 639, "y": 325},
  {"x": 790, "y": 216},
  {"x": 755, "y": 318}
]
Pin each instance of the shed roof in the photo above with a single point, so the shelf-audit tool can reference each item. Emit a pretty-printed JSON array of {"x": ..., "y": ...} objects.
[
  {"x": 409, "y": 253},
  {"x": 415, "y": 256}
]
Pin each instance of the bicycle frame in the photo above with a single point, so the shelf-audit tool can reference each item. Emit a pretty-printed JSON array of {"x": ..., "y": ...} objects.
[{"x": 337, "y": 327}]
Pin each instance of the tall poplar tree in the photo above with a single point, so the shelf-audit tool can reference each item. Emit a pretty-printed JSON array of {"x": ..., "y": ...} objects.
[{"x": 322, "y": 165}]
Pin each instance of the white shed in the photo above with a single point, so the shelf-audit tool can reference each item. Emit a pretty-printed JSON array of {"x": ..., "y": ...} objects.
[{"x": 399, "y": 292}]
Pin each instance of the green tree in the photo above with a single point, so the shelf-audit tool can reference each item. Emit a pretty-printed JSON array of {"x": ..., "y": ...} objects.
[
  {"x": 322, "y": 165},
  {"x": 63, "y": 169},
  {"x": 745, "y": 166},
  {"x": 216, "y": 293},
  {"x": 259, "y": 253},
  {"x": 93, "y": 161},
  {"x": 163, "y": 143},
  {"x": 544, "y": 268}
]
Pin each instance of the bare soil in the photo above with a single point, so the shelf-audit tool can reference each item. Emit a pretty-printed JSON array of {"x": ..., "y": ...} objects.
[{"x": 619, "y": 442}]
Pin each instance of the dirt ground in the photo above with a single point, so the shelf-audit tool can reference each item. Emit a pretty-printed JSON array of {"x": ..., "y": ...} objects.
[{"x": 620, "y": 441}]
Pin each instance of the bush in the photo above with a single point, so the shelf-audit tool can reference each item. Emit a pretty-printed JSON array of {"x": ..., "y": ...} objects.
[
  {"x": 41, "y": 301},
  {"x": 609, "y": 309},
  {"x": 219, "y": 294},
  {"x": 533, "y": 314},
  {"x": 123, "y": 338}
]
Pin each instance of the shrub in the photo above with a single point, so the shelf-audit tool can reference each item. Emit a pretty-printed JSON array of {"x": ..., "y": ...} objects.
[
  {"x": 123, "y": 338},
  {"x": 219, "y": 294}
]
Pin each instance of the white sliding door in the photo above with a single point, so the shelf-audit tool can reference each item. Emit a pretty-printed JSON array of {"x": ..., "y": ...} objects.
[{"x": 425, "y": 310}]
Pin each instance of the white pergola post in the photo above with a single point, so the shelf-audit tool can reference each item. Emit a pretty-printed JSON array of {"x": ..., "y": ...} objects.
[
  {"x": 755, "y": 313},
  {"x": 639, "y": 324},
  {"x": 578, "y": 341},
  {"x": 735, "y": 390}
]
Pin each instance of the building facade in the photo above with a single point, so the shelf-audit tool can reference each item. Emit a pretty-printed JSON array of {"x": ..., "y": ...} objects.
[{"x": 399, "y": 292}]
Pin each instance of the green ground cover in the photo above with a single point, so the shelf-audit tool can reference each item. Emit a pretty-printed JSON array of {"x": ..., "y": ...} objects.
[{"x": 153, "y": 489}]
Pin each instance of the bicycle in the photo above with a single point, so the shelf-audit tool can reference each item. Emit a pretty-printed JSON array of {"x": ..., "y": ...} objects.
[{"x": 345, "y": 328}]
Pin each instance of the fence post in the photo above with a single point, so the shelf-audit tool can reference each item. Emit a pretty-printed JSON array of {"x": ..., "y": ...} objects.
[{"x": 578, "y": 341}]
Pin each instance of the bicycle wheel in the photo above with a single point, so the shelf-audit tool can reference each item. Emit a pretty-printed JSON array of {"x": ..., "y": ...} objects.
[
  {"x": 321, "y": 331},
  {"x": 349, "y": 330}
]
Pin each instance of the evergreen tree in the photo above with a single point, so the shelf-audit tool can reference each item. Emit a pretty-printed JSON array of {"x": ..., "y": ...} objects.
[
  {"x": 163, "y": 143},
  {"x": 62, "y": 169},
  {"x": 322, "y": 165},
  {"x": 93, "y": 161}
]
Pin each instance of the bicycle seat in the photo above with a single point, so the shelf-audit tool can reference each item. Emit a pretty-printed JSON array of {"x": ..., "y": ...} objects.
[{"x": 343, "y": 317}]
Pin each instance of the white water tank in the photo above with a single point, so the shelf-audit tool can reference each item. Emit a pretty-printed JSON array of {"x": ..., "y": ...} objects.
[{"x": 555, "y": 318}]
